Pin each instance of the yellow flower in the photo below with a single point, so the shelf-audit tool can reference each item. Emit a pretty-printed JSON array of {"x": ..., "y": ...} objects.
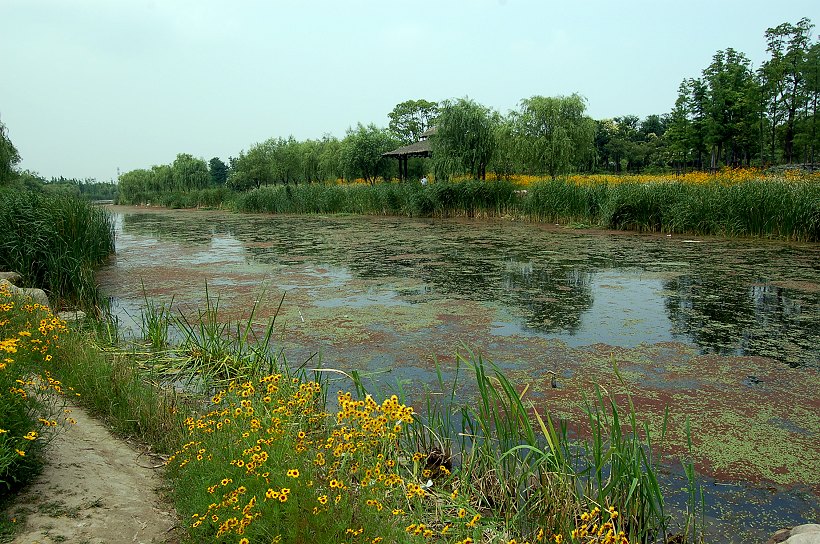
[
  {"x": 21, "y": 453},
  {"x": 293, "y": 473}
]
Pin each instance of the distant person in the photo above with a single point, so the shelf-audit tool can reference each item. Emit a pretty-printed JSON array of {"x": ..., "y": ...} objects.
[{"x": 424, "y": 180}]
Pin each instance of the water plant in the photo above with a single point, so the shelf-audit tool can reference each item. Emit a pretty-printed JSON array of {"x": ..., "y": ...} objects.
[
  {"x": 732, "y": 202},
  {"x": 55, "y": 242}
]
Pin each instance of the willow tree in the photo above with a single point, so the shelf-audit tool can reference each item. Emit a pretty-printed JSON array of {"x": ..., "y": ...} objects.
[
  {"x": 555, "y": 133},
  {"x": 465, "y": 139},
  {"x": 9, "y": 157}
]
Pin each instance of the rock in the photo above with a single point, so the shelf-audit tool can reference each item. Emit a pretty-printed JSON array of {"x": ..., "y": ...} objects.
[
  {"x": 11, "y": 277},
  {"x": 72, "y": 316},
  {"x": 807, "y": 528},
  {"x": 802, "y": 534},
  {"x": 38, "y": 296},
  {"x": 804, "y": 538}
]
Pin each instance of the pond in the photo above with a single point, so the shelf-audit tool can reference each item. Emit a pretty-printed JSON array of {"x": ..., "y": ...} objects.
[{"x": 723, "y": 332}]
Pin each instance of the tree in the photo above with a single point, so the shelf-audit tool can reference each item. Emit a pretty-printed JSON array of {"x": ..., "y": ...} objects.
[
  {"x": 686, "y": 132},
  {"x": 218, "y": 171},
  {"x": 506, "y": 159},
  {"x": 189, "y": 173},
  {"x": 133, "y": 186},
  {"x": 731, "y": 109},
  {"x": 410, "y": 119},
  {"x": 464, "y": 139},
  {"x": 362, "y": 151},
  {"x": 556, "y": 133},
  {"x": 788, "y": 46},
  {"x": 9, "y": 157},
  {"x": 254, "y": 168},
  {"x": 811, "y": 74},
  {"x": 331, "y": 166}
]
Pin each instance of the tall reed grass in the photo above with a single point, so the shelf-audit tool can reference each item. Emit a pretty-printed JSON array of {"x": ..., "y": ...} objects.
[
  {"x": 443, "y": 199},
  {"x": 55, "y": 242}
]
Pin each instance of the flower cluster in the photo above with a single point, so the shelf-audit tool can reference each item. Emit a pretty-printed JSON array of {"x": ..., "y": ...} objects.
[
  {"x": 29, "y": 334},
  {"x": 273, "y": 452},
  {"x": 592, "y": 529}
]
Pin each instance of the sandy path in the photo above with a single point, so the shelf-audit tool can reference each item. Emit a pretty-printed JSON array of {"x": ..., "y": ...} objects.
[{"x": 94, "y": 489}]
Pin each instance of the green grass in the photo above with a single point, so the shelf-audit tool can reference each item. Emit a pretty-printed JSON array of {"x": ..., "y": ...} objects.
[{"x": 55, "y": 242}]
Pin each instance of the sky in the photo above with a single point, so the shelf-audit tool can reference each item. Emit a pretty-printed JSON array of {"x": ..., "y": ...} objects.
[{"x": 92, "y": 87}]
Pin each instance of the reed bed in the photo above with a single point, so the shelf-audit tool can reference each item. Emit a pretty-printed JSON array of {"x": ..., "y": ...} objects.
[
  {"x": 743, "y": 202},
  {"x": 55, "y": 242}
]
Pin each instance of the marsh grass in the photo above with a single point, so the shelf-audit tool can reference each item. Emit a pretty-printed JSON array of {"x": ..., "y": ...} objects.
[
  {"x": 219, "y": 351},
  {"x": 524, "y": 466},
  {"x": 771, "y": 206},
  {"x": 55, "y": 242},
  {"x": 155, "y": 321}
]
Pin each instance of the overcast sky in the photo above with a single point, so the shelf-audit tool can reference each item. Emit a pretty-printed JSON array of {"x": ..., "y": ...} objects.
[{"x": 90, "y": 86}]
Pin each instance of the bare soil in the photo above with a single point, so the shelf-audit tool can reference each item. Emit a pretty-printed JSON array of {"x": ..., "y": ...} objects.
[{"x": 94, "y": 489}]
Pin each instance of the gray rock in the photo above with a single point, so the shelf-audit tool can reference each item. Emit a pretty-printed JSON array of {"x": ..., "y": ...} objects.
[
  {"x": 803, "y": 538},
  {"x": 807, "y": 528},
  {"x": 38, "y": 296},
  {"x": 12, "y": 277}
]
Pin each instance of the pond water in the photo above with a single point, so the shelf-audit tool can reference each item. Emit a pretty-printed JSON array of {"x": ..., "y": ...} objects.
[{"x": 724, "y": 332}]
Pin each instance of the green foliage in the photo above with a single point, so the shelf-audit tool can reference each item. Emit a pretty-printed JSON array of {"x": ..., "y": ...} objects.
[
  {"x": 465, "y": 139},
  {"x": 9, "y": 157},
  {"x": 362, "y": 151},
  {"x": 218, "y": 171},
  {"x": 188, "y": 173},
  {"x": 555, "y": 134},
  {"x": 55, "y": 242},
  {"x": 411, "y": 118}
]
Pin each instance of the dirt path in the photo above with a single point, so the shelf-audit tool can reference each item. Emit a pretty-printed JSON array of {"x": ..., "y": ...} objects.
[{"x": 94, "y": 489}]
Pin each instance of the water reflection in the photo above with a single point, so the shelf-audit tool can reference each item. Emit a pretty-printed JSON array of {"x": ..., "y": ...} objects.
[{"x": 723, "y": 296}]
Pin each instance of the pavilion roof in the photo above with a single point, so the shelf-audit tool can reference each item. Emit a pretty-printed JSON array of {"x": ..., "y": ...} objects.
[{"x": 417, "y": 149}]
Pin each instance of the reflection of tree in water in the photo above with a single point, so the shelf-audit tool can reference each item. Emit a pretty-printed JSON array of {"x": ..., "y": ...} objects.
[
  {"x": 553, "y": 297},
  {"x": 726, "y": 317},
  {"x": 545, "y": 280}
]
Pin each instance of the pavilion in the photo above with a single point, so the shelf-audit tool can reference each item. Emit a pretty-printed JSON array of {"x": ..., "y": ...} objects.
[{"x": 417, "y": 149}]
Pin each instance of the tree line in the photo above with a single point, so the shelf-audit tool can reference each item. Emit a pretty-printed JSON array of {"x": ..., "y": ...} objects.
[{"x": 730, "y": 115}]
